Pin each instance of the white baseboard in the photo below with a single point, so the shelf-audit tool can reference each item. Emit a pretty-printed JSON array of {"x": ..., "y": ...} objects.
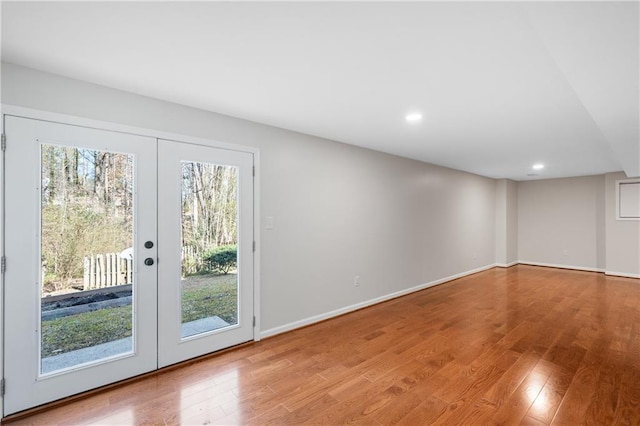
[
  {"x": 327, "y": 315},
  {"x": 554, "y": 265},
  {"x": 506, "y": 265},
  {"x": 577, "y": 268},
  {"x": 622, "y": 274}
]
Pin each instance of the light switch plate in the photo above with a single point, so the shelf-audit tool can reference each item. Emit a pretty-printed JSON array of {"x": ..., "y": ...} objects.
[{"x": 269, "y": 222}]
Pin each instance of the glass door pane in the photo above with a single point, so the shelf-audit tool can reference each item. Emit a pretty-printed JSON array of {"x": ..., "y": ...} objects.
[
  {"x": 209, "y": 274},
  {"x": 86, "y": 202},
  {"x": 205, "y": 235}
]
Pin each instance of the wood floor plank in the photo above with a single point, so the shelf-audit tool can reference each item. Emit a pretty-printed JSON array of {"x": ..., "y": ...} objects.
[
  {"x": 545, "y": 405},
  {"x": 530, "y": 421},
  {"x": 474, "y": 379},
  {"x": 466, "y": 413},
  {"x": 580, "y": 393},
  {"x": 603, "y": 404},
  {"x": 426, "y": 413},
  {"x": 503, "y": 388},
  {"x": 524, "y": 345},
  {"x": 628, "y": 403},
  {"x": 515, "y": 408}
]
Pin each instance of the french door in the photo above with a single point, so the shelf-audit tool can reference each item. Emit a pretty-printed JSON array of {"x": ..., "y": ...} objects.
[
  {"x": 124, "y": 254},
  {"x": 203, "y": 191}
]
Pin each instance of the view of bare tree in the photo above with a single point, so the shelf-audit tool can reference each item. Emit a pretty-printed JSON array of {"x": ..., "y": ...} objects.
[
  {"x": 87, "y": 209},
  {"x": 209, "y": 211},
  {"x": 86, "y": 200}
]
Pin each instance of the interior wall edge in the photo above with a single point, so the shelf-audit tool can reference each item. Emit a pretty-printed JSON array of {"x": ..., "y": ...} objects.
[{"x": 507, "y": 265}]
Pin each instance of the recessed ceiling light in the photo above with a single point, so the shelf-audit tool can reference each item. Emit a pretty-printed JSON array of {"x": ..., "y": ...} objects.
[
  {"x": 538, "y": 166},
  {"x": 413, "y": 117}
]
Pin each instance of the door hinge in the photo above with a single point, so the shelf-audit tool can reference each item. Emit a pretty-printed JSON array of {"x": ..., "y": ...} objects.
[
  {"x": 254, "y": 171},
  {"x": 2, "y": 383},
  {"x": 4, "y": 142},
  {"x": 3, "y": 264},
  {"x": 254, "y": 246},
  {"x": 254, "y": 321}
]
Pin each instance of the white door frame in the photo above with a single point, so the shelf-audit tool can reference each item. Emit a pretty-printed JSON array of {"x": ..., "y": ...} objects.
[
  {"x": 2, "y": 226},
  {"x": 116, "y": 127}
]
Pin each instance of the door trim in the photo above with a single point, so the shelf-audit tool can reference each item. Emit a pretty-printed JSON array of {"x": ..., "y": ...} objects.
[
  {"x": 18, "y": 111},
  {"x": 2, "y": 251}
]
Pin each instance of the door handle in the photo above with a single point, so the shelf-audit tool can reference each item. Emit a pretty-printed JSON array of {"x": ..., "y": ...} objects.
[{"x": 148, "y": 261}]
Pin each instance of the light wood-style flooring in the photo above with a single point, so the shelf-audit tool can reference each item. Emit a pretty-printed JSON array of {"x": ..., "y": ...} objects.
[{"x": 524, "y": 345}]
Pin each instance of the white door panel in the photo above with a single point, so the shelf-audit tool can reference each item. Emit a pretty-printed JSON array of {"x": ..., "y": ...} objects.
[
  {"x": 29, "y": 380},
  {"x": 192, "y": 181}
]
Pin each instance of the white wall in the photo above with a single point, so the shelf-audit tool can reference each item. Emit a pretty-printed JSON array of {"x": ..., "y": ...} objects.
[
  {"x": 622, "y": 236},
  {"x": 577, "y": 215},
  {"x": 512, "y": 221},
  {"x": 560, "y": 222},
  {"x": 501, "y": 222},
  {"x": 339, "y": 210},
  {"x": 506, "y": 222}
]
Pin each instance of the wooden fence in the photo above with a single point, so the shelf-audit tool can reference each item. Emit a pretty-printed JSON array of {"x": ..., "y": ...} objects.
[{"x": 106, "y": 270}]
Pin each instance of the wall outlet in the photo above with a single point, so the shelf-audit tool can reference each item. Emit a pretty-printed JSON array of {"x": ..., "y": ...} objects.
[{"x": 356, "y": 281}]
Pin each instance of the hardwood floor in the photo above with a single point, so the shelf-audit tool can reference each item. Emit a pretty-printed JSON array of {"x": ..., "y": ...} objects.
[{"x": 524, "y": 345}]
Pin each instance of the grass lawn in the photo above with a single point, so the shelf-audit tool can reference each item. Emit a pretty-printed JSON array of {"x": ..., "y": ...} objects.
[{"x": 202, "y": 296}]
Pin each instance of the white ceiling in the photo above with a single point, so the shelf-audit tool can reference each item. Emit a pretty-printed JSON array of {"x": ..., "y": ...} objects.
[{"x": 500, "y": 85}]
